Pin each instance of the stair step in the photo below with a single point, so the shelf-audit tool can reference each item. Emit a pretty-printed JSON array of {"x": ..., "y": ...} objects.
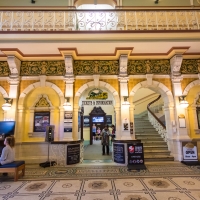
[
  {"x": 158, "y": 158},
  {"x": 157, "y": 152},
  {"x": 155, "y": 147},
  {"x": 143, "y": 139},
  {"x": 153, "y": 143}
]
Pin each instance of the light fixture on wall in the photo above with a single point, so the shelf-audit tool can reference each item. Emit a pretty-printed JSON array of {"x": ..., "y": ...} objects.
[
  {"x": 126, "y": 102},
  {"x": 156, "y": 1},
  {"x": 67, "y": 105},
  {"x": 182, "y": 102},
  {"x": 7, "y": 105}
]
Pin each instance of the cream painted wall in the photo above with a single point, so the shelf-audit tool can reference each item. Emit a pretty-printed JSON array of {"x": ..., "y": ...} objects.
[
  {"x": 1, "y": 103},
  {"x": 37, "y": 3},
  {"x": 124, "y": 3},
  {"x": 161, "y": 3},
  {"x": 30, "y": 100},
  {"x": 141, "y": 99},
  {"x": 191, "y": 114}
]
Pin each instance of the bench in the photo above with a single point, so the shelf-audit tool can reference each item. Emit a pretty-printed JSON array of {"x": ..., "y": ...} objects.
[{"x": 14, "y": 167}]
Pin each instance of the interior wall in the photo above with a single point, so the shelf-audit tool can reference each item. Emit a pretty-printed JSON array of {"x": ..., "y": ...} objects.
[
  {"x": 37, "y": 3},
  {"x": 191, "y": 114},
  {"x": 161, "y": 3},
  {"x": 30, "y": 100},
  {"x": 142, "y": 98},
  {"x": 1, "y": 111}
]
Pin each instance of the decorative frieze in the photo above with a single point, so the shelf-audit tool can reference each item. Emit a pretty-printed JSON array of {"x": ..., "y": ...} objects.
[
  {"x": 88, "y": 67},
  {"x": 148, "y": 67},
  {"x": 48, "y": 68},
  {"x": 190, "y": 66},
  {"x": 4, "y": 68}
]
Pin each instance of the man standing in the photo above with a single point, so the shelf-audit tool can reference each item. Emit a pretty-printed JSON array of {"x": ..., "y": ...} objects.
[{"x": 105, "y": 140}]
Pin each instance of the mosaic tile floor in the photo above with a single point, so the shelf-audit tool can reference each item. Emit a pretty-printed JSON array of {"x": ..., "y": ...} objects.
[
  {"x": 151, "y": 188},
  {"x": 160, "y": 181}
]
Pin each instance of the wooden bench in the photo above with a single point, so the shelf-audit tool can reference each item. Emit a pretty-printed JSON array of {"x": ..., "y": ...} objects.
[{"x": 14, "y": 167}]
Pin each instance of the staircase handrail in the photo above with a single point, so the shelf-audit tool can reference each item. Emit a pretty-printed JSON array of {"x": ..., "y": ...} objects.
[
  {"x": 148, "y": 108},
  {"x": 157, "y": 124}
]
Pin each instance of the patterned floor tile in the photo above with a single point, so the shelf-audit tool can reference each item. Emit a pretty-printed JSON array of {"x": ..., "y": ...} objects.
[
  {"x": 66, "y": 186},
  {"x": 171, "y": 195},
  {"x": 157, "y": 184},
  {"x": 187, "y": 182},
  {"x": 128, "y": 184},
  {"x": 134, "y": 196},
  {"x": 35, "y": 187},
  {"x": 98, "y": 196},
  {"x": 24, "y": 197},
  {"x": 195, "y": 194},
  {"x": 97, "y": 185},
  {"x": 61, "y": 197},
  {"x": 8, "y": 187}
]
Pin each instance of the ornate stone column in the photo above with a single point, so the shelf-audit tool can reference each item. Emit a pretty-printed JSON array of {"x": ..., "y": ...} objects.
[
  {"x": 14, "y": 66},
  {"x": 125, "y": 112},
  {"x": 118, "y": 122},
  {"x": 69, "y": 85},
  {"x": 179, "y": 133}
]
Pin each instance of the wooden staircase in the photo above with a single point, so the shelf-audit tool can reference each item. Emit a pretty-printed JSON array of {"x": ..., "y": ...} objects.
[{"x": 155, "y": 148}]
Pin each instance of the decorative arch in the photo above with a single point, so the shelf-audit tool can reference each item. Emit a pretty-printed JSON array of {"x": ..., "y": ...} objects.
[
  {"x": 36, "y": 85},
  {"x": 190, "y": 86},
  {"x": 158, "y": 87},
  {"x": 101, "y": 84},
  {"x": 3, "y": 92}
]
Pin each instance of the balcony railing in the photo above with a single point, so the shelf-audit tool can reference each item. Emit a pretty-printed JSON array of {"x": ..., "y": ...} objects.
[{"x": 82, "y": 20}]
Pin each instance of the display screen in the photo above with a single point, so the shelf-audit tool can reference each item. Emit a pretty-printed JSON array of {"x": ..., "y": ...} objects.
[
  {"x": 98, "y": 119},
  {"x": 7, "y": 127}
]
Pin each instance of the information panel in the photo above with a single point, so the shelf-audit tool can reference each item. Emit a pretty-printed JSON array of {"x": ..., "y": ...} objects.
[
  {"x": 118, "y": 153},
  {"x": 135, "y": 154},
  {"x": 73, "y": 154},
  {"x": 190, "y": 151}
]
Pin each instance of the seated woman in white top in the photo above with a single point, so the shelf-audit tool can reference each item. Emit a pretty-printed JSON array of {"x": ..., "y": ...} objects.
[{"x": 8, "y": 154}]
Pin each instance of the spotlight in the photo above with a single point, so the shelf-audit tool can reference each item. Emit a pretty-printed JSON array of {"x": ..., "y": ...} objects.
[
  {"x": 156, "y": 1},
  {"x": 32, "y": 1}
]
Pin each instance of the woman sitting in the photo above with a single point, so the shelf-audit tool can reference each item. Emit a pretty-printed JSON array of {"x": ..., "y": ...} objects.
[{"x": 8, "y": 154}]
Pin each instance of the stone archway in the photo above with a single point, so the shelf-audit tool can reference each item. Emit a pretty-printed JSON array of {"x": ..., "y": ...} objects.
[
  {"x": 3, "y": 92},
  {"x": 77, "y": 98},
  {"x": 22, "y": 97},
  {"x": 190, "y": 86},
  {"x": 168, "y": 99}
]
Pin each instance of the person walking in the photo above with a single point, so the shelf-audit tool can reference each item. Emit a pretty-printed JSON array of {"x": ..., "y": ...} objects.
[
  {"x": 105, "y": 140},
  {"x": 94, "y": 129}
]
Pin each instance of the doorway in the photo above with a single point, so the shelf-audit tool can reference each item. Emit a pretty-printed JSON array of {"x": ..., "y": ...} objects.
[{"x": 97, "y": 119}]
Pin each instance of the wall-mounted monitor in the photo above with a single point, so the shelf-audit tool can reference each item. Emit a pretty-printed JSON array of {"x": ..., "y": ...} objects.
[
  {"x": 41, "y": 120},
  {"x": 7, "y": 127},
  {"x": 97, "y": 119}
]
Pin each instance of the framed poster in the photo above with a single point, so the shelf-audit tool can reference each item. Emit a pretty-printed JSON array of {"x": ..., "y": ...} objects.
[
  {"x": 109, "y": 119},
  {"x": 86, "y": 121},
  {"x": 198, "y": 116},
  {"x": 41, "y": 120}
]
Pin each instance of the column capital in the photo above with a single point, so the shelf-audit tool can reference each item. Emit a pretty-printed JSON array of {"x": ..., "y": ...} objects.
[
  {"x": 14, "y": 65},
  {"x": 123, "y": 62},
  {"x": 69, "y": 66},
  {"x": 123, "y": 79},
  {"x": 176, "y": 62}
]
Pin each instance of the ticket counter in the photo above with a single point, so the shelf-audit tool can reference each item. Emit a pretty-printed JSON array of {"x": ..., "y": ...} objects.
[{"x": 67, "y": 152}]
